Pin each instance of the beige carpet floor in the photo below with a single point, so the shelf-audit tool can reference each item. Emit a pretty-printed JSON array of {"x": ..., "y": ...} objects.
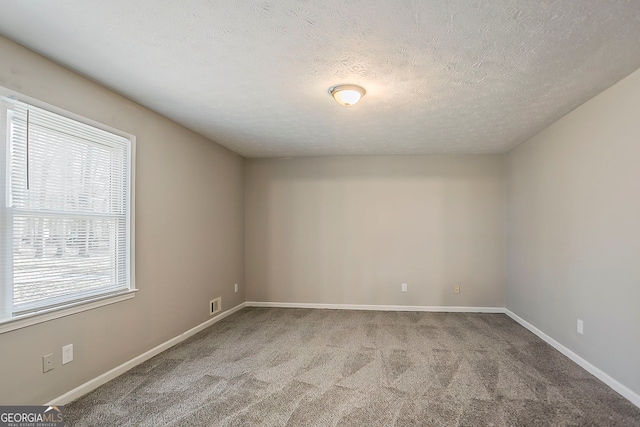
[{"x": 300, "y": 367}]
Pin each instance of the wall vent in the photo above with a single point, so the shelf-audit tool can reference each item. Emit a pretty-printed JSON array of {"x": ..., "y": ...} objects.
[{"x": 215, "y": 305}]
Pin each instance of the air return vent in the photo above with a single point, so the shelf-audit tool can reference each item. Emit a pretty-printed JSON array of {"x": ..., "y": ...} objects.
[{"x": 215, "y": 305}]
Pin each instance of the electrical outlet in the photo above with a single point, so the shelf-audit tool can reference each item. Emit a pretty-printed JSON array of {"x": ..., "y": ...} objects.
[
  {"x": 456, "y": 289},
  {"x": 404, "y": 287},
  {"x": 215, "y": 305},
  {"x": 47, "y": 362},
  {"x": 235, "y": 288},
  {"x": 580, "y": 327},
  {"x": 67, "y": 354}
]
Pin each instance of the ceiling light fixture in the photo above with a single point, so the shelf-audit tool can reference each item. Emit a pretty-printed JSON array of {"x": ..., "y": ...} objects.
[{"x": 347, "y": 95}]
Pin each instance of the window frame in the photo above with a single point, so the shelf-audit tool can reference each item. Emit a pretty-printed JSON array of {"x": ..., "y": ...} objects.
[{"x": 11, "y": 323}]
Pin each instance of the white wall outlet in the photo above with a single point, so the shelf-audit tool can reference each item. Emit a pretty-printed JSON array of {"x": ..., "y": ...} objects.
[
  {"x": 215, "y": 305},
  {"x": 580, "y": 327},
  {"x": 404, "y": 287},
  {"x": 67, "y": 354},
  {"x": 235, "y": 288},
  {"x": 456, "y": 289},
  {"x": 47, "y": 362}
]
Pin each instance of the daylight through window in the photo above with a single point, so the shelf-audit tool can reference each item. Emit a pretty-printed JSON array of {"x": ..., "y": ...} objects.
[{"x": 66, "y": 211}]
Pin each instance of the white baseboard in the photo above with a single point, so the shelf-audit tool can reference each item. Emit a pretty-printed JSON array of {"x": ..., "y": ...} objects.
[
  {"x": 620, "y": 388},
  {"x": 437, "y": 308},
  {"x": 113, "y": 373},
  {"x": 119, "y": 370}
]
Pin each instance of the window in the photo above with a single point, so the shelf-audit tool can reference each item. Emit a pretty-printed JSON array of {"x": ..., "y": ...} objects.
[{"x": 65, "y": 220}]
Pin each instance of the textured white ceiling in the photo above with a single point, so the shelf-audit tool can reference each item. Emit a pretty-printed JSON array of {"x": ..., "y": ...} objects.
[{"x": 457, "y": 76}]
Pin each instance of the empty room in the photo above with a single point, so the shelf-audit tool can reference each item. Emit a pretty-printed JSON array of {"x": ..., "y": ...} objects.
[{"x": 320, "y": 213}]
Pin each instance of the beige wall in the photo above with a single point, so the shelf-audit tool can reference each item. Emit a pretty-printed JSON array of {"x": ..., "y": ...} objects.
[
  {"x": 574, "y": 231},
  {"x": 189, "y": 239},
  {"x": 352, "y": 229}
]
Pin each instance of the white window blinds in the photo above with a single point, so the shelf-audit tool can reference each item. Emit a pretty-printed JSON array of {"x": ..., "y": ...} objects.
[{"x": 66, "y": 216}]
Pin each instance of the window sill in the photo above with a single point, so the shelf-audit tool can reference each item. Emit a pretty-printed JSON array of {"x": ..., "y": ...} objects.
[{"x": 23, "y": 321}]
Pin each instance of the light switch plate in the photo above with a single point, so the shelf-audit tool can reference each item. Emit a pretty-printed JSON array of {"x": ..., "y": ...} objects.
[{"x": 67, "y": 354}]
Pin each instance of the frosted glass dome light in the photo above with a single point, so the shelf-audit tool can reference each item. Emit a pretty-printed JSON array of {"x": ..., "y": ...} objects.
[{"x": 347, "y": 95}]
